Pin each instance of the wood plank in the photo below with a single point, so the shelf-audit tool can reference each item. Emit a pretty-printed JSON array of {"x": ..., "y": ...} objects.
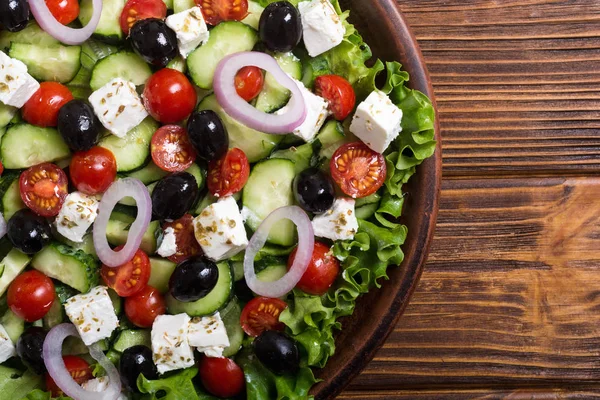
[{"x": 477, "y": 394}]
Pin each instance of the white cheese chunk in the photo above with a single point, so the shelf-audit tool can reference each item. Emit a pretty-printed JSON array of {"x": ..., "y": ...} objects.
[
  {"x": 317, "y": 113},
  {"x": 16, "y": 85},
  {"x": 7, "y": 347},
  {"x": 337, "y": 223},
  {"x": 92, "y": 314},
  {"x": 208, "y": 335},
  {"x": 118, "y": 106},
  {"x": 322, "y": 28},
  {"x": 219, "y": 229},
  {"x": 377, "y": 121},
  {"x": 170, "y": 346},
  {"x": 77, "y": 214},
  {"x": 99, "y": 385},
  {"x": 190, "y": 28},
  {"x": 168, "y": 246}
]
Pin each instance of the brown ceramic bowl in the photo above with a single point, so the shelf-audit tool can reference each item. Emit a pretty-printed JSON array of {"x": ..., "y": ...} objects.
[{"x": 386, "y": 31}]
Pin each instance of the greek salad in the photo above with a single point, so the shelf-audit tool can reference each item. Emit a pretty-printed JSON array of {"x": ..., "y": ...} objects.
[{"x": 192, "y": 194}]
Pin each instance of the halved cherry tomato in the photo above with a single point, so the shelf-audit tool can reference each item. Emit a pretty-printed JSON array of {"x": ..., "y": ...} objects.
[
  {"x": 169, "y": 96},
  {"x": 64, "y": 11},
  {"x": 94, "y": 170},
  {"x": 129, "y": 278},
  {"x": 358, "y": 170},
  {"x": 31, "y": 295},
  {"x": 338, "y": 92},
  {"x": 136, "y": 10},
  {"x": 249, "y": 81},
  {"x": 221, "y": 376},
  {"x": 262, "y": 314},
  {"x": 228, "y": 174},
  {"x": 322, "y": 270},
  {"x": 215, "y": 11},
  {"x": 143, "y": 307},
  {"x": 43, "y": 189},
  {"x": 171, "y": 149},
  {"x": 42, "y": 108},
  {"x": 78, "y": 368},
  {"x": 187, "y": 245}
]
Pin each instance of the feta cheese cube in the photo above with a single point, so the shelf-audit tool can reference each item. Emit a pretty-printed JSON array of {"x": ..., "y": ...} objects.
[
  {"x": 219, "y": 229},
  {"x": 118, "y": 106},
  {"x": 92, "y": 314},
  {"x": 317, "y": 113},
  {"x": 208, "y": 335},
  {"x": 321, "y": 25},
  {"x": 170, "y": 346},
  {"x": 168, "y": 246},
  {"x": 337, "y": 223},
  {"x": 190, "y": 28},
  {"x": 377, "y": 121},
  {"x": 99, "y": 385},
  {"x": 77, "y": 214},
  {"x": 7, "y": 347},
  {"x": 16, "y": 85}
]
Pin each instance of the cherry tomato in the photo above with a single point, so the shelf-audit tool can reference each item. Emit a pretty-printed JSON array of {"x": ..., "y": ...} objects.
[
  {"x": 31, "y": 295},
  {"x": 358, "y": 170},
  {"x": 322, "y": 270},
  {"x": 262, "y": 314},
  {"x": 1, "y": 168},
  {"x": 221, "y": 376},
  {"x": 43, "y": 189},
  {"x": 228, "y": 174},
  {"x": 129, "y": 278},
  {"x": 338, "y": 92},
  {"x": 42, "y": 108},
  {"x": 143, "y": 307},
  {"x": 78, "y": 368},
  {"x": 249, "y": 81},
  {"x": 169, "y": 96},
  {"x": 171, "y": 149},
  {"x": 94, "y": 170},
  {"x": 187, "y": 245},
  {"x": 136, "y": 10},
  {"x": 215, "y": 11}
]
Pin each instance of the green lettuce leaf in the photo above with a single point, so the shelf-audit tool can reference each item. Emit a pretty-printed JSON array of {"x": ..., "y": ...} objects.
[
  {"x": 38, "y": 394},
  {"x": 15, "y": 384},
  {"x": 176, "y": 387}
]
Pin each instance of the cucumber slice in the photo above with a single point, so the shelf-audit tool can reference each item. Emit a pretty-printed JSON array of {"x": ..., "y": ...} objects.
[
  {"x": 238, "y": 270},
  {"x": 72, "y": 267},
  {"x": 7, "y": 113},
  {"x": 331, "y": 137},
  {"x": 81, "y": 80},
  {"x": 213, "y": 301},
  {"x": 225, "y": 39},
  {"x": 132, "y": 337},
  {"x": 32, "y": 34},
  {"x": 257, "y": 145},
  {"x": 125, "y": 64},
  {"x": 274, "y": 96},
  {"x": 11, "y": 266},
  {"x": 272, "y": 273},
  {"x": 179, "y": 64},
  {"x": 161, "y": 270},
  {"x": 169, "y": 4},
  {"x": 366, "y": 211},
  {"x": 149, "y": 174},
  {"x": 197, "y": 173},
  {"x": 300, "y": 156},
  {"x": 25, "y": 145},
  {"x": 231, "y": 318},
  {"x": 117, "y": 301},
  {"x": 93, "y": 51},
  {"x": 108, "y": 29},
  {"x": 268, "y": 188},
  {"x": 132, "y": 151},
  {"x": 80, "y": 93},
  {"x": 13, "y": 324},
  {"x": 182, "y": 5},
  {"x": 48, "y": 63},
  {"x": 87, "y": 246},
  {"x": 10, "y": 196},
  {"x": 255, "y": 10},
  {"x": 117, "y": 232},
  {"x": 54, "y": 316}
]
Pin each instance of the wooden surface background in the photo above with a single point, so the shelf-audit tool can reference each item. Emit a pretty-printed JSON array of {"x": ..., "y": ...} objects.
[{"x": 509, "y": 303}]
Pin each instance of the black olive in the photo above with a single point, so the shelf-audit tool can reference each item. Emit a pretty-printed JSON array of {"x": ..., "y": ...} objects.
[
  {"x": 174, "y": 195},
  {"x": 278, "y": 352},
  {"x": 314, "y": 190},
  {"x": 242, "y": 291},
  {"x": 28, "y": 231},
  {"x": 78, "y": 125},
  {"x": 154, "y": 41},
  {"x": 30, "y": 349},
  {"x": 134, "y": 361},
  {"x": 207, "y": 134},
  {"x": 280, "y": 26},
  {"x": 14, "y": 14},
  {"x": 193, "y": 279}
]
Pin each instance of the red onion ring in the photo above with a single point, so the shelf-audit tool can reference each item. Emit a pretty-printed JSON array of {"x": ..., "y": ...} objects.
[
  {"x": 3, "y": 226},
  {"x": 127, "y": 187},
  {"x": 238, "y": 108},
  {"x": 306, "y": 244},
  {"x": 63, "y": 33},
  {"x": 52, "y": 353}
]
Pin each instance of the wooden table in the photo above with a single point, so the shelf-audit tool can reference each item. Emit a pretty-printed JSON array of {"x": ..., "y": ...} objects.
[{"x": 509, "y": 303}]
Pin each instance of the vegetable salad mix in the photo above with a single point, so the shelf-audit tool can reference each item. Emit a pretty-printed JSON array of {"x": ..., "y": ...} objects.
[{"x": 192, "y": 194}]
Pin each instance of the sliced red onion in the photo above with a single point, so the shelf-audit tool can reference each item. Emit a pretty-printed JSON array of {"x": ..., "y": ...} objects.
[
  {"x": 3, "y": 226},
  {"x": 63, "y": 33},
  {"x": 306, "y": 244},
  {"x": 127, "y": 187},
  {"x": 238, "y": 108},
  {"x": 52, "y": 352}
]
